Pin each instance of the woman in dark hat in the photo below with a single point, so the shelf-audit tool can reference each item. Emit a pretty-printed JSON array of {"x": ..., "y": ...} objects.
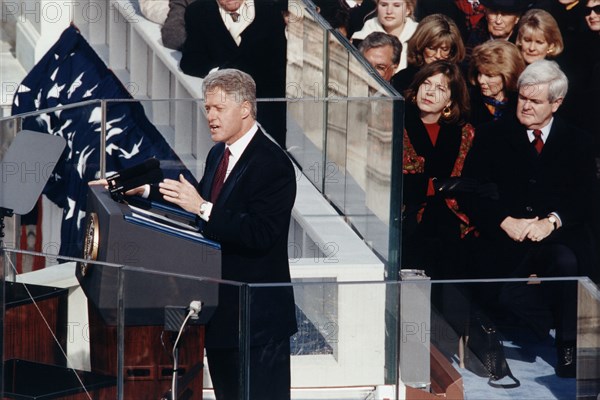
[{"x": 501, "y": 18}]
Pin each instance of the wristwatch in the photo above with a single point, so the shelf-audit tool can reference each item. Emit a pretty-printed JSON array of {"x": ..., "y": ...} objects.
[
  {"x": 203, "y": 207},
  {"x": 553, "y": 220}
]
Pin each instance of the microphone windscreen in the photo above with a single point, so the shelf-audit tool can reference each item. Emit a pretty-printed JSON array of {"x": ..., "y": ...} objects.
[
  {"x": 152, "y": 176},
  {"x": 136, "y": 170},
  {"x": 146, "y": 172}
]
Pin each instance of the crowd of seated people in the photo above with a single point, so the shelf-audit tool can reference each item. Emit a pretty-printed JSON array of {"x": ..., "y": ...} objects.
[
  {"x": 501, "y": 145},
  {"x": 535, "y": 218},
  {"x": 527, "y": 203}
]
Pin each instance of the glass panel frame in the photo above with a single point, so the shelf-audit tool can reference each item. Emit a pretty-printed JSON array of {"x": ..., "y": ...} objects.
[{"x": 342, "y": 345}]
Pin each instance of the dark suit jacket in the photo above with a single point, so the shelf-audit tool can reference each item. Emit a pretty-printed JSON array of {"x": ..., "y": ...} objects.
[
  {"x": 251, "y": 220},
  {"x": 262, "y": 51},
  {"x": 559, "y": 180},
  {"x": 403, "y": 78}
]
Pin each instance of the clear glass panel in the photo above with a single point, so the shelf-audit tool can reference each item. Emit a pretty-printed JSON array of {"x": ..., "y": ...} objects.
[
  {"x": 66, "y": 179},
  {"x": 358, "y": 171},
  {"x": 165, "y": 345},
  {"x": 341, "y": 344},
  {"x": 49, "y": 330},
  {"x": 322, "y": 63},
  {"x": 343, "y": 145},
  {"x": 357, "y": 340},
  {"x": 334, "y": 169},
  {"x": 121, "y": 342},
  {"x": 514, "y": 339},
  {"x": 306, "y": 78},
  {"x": 588, "y": 340},
  {"x": 359, "y": 130},
  {"x": 423, "y": 339}
]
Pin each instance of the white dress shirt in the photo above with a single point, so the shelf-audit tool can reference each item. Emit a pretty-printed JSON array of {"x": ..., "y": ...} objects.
[
  {"x": 235, "y": 153},
  {"x": 246, "y": 16},
  {"x": 545, "y": 132}
]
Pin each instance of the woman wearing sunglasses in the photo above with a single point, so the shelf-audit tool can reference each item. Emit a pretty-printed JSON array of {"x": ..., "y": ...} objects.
[
  {"x": 581, "y": 64},
  {"x": 592, "y": 17}
]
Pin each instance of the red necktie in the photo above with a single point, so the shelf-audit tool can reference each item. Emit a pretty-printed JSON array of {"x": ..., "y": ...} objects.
[
  {"x": 219, "y": 179},
  {"x": 537, "y": 142}
]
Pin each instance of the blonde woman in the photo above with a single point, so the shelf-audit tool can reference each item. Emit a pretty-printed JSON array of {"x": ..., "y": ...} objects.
[
  {"x": 394, "y": 17},
  {"x": 539, "y": 36}
]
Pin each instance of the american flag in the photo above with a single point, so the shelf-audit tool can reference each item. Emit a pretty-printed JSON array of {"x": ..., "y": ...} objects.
[{"x": 72, "y": 72}]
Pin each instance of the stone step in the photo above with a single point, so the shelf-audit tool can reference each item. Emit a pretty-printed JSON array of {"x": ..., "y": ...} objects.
[
  {"x": 11, "y": 74},
  {"x": 5, "y": 47},
  {"x": 5, "y": 41}
]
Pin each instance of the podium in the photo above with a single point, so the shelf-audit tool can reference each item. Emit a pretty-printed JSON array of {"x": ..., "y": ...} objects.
[
  {"x": 162, "y": 252},
  {"x": 35, "y": 331},
  {"x": 26, "y": 335}
]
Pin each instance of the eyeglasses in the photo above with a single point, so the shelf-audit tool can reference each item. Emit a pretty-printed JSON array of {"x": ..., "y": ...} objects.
[
  {"x": 382, "y": 68},
  {"x": 595, "y": 9}
]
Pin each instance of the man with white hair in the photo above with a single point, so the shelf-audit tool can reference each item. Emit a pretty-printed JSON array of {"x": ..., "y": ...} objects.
[{"x": 544, "y": 171}]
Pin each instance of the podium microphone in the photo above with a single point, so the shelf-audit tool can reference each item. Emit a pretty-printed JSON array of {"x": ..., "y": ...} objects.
[{"x": 140, "y": 174}]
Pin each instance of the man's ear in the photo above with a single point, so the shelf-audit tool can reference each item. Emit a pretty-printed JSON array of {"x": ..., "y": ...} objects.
[
  {"x": 556, "y": 104},
  {"x": 246, "y": 109}
]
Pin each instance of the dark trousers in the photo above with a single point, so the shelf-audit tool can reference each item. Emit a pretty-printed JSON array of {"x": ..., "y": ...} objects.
[
  {"x": 547, "y": 304},
  {"x": 269, "y": 371}
]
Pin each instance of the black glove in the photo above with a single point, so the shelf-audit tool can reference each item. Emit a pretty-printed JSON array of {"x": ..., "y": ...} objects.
[{"x": 455, "y": 185}]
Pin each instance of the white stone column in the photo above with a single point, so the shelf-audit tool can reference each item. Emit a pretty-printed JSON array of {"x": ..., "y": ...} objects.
[{"x": 39, "y": 25}]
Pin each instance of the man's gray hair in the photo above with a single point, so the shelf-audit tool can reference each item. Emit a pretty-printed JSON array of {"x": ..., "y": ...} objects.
[
  {"x": 380, "y": 39},
  {"x": 233, "y": 82},
  {"x": 545, "y": 72}
]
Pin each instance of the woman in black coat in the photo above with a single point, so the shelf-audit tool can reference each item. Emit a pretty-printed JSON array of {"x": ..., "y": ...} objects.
[{"x": 436, "y": 141}]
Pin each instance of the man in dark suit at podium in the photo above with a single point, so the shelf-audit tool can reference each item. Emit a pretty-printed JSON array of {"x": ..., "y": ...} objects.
[
  {"x": 245, "y": 200},
  {"x": 246, "y": 35}
]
